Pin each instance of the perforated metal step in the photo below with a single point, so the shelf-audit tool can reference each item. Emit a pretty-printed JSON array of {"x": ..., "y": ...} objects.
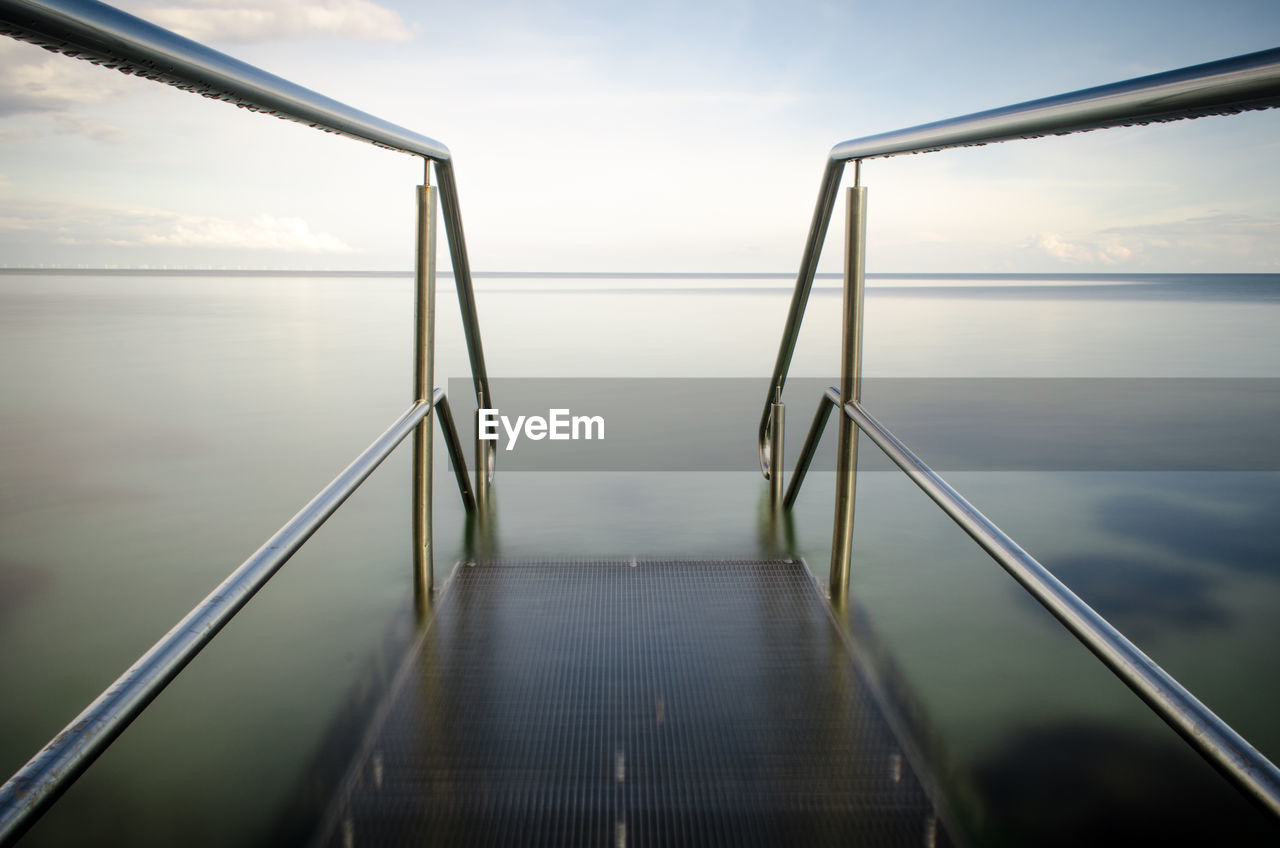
[{"x": 611, "y": 703}]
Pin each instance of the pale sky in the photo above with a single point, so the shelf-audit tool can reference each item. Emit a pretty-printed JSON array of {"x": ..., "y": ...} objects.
[{"x": 659, "y": 136}]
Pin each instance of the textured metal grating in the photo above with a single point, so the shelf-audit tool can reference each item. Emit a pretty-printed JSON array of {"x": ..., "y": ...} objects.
[{"x": 606, "y": 703}]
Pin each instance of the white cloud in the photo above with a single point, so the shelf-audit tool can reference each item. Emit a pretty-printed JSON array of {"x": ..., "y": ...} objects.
[
  {"x": 81, "y": 224},
  {"x": 33, "y": 80},
  {"x": 72, "y": 124},
  {"x": 1198, "y": 241},
  {"x": 264, "y": 232},
  {"x": 1095, "y": 250},
  {"x": 20, "y": 135},
  {"x": 238, "y": 21}
]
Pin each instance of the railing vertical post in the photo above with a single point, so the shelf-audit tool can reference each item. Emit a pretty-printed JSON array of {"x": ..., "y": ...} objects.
[
  {"x": 484, "y": 457},
  {"x": 424, "y": 337},
  {"x": 777, "y": 422},
  {"x": 850, "y": 386}
]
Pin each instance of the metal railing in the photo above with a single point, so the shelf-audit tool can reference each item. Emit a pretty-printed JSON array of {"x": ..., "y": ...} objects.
[
  {"x": 1226, "y": 87},
  {"x": 1217, "y": 88},
  {"x": 106, "y": 36}
]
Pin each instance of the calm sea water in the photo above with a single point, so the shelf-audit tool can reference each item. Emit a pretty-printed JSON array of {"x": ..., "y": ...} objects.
[{"x": 155, "y": 430}]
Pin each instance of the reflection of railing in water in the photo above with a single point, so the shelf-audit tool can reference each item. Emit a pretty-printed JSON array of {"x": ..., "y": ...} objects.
[
  {"x": 1218, "y": 88},
  {"x": 109, "y": 37}
]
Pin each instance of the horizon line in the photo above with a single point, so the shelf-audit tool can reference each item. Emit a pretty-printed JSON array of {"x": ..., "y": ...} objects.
[{"x": 616, "y": 275}]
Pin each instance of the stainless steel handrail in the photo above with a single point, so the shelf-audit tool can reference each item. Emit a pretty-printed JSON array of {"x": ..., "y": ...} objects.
[
  {"x": 26, "y": 795},
  {"x": 90, "y": 30},
  {"x": 96, "y": 32},
  {"x": 104, "y": 35},
  {"x": 1226, "y": 87},
  {"x": 1216, "y": 88},
  {"x": 1213, "y": 738},
  {"x": 37, "y": 784}
]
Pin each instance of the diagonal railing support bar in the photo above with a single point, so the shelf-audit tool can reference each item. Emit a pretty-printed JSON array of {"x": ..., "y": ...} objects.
[
  {"x": 486, "y": 454},
  {"x": 454, "y": 445},
  {"x": 822, "y": 210},
  {"x": 830, "y": 400},
  {"x": 462, "y": 276}
]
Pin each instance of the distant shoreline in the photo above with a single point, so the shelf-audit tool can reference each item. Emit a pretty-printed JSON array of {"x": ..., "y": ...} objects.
[{"x": 609, "y": 275}]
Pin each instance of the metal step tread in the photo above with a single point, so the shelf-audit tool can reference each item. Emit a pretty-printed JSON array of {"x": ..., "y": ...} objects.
[{"x": 632, "y": 703}]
